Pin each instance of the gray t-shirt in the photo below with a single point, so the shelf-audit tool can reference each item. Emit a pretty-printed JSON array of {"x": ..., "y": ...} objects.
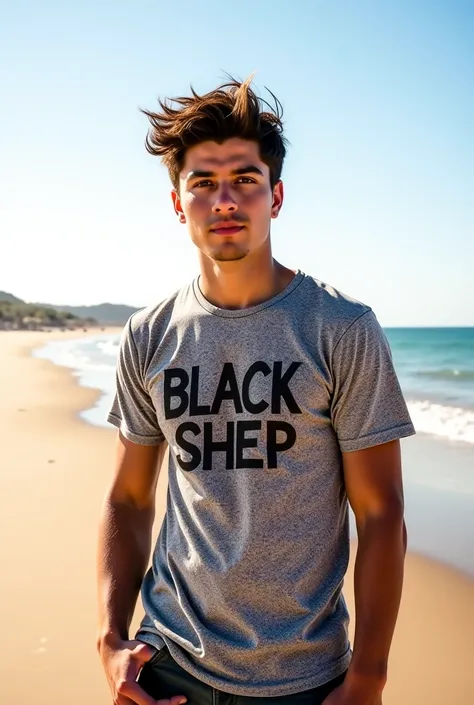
[{"x": 256, "y": 405}]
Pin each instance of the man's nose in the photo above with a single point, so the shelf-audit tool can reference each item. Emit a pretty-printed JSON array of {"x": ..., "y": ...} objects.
[{"x": 224, "y": 202}]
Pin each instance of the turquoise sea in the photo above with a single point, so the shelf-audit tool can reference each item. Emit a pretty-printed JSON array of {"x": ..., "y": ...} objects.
[{"x": 435, "y": 367}]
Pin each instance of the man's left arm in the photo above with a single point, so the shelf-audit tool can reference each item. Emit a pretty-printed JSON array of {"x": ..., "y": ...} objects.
[{"x": 373, "y": 479}]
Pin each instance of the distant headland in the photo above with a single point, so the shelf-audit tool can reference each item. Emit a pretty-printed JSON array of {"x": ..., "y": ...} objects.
[{"x": 16, "y": 314}]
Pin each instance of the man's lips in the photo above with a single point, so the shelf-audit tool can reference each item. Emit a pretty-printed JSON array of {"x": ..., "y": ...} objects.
[
  {"x": 228, "y": 231},
  {"x": 227, "y": 228}
]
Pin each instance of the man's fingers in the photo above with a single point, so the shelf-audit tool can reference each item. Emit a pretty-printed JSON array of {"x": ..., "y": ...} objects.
[
  {"x": 131, "y": 690},
  {"x": 124, "y": 701},
  {"x": 137, "y": 695}
]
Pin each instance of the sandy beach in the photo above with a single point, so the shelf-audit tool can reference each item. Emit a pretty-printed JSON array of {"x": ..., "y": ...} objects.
[{"x": 53, "y": 474}]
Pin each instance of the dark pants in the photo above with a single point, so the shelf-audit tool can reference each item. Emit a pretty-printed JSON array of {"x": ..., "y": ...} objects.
[{"x": 162, "y": 677}]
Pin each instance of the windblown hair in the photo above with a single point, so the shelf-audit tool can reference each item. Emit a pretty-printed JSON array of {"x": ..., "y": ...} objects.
[{"x": 231, "y": 110}]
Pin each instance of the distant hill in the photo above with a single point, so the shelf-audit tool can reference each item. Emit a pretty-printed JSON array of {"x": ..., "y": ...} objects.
[
  {"x": 5, "y": 296},
  {"x": 102, "y": 314},
  {"x": 105, "y": 314},
  {"x": 16, "y": 314}
]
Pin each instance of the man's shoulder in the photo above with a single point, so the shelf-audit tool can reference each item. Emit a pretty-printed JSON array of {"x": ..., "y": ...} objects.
[
  {"x": 155, "y": 318},
  {"x": 332, "y": 303}
]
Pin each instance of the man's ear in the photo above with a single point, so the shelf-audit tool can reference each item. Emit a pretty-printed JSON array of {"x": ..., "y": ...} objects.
[
  {"x": 278, "y": 195},
  {"x": 177, "y": 206}
]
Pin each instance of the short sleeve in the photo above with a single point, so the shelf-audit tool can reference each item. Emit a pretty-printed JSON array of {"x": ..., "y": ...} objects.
[
  {"x": 368, "y": 407},
  {"x": 132, "y": 410}
]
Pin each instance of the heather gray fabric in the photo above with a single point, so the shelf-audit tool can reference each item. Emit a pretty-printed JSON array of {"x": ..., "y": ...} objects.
[{"x": 256, "y": 406}]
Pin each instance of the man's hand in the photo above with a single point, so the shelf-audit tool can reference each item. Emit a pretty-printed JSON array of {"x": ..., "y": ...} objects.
[
  {"x": 122, "y": 661},
  {"x": 348, "y": 696}
]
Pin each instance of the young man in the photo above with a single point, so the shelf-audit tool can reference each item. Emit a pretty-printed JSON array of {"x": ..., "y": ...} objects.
[{"x": 278, "y": 400}]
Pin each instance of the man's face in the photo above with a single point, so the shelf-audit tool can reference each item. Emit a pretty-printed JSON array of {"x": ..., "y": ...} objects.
[{"x": 226, "y": 199}]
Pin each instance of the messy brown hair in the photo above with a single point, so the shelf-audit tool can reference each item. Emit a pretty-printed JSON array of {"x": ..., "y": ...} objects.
[{"x": 232, "y": 109}]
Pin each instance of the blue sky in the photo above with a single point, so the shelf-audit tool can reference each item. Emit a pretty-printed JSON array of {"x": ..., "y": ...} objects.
[{"x": 379, "y": 177}]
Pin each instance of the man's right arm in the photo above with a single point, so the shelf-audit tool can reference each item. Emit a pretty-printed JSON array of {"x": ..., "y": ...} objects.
[
  {"x": 123, "y": 552},
  {"x": 125, "y": 535}
]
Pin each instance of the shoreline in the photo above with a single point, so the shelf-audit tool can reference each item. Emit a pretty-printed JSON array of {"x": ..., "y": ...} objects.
[
  {"x": 56, "y": 469},
  {"x": 82, "y": 376}
]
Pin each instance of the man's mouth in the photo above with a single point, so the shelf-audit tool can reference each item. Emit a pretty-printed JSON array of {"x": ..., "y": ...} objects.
[{"x": 227, "y": 228}]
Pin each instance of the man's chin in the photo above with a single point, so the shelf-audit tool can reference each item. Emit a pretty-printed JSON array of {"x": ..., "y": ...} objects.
[{"x": 228, "y": 253}]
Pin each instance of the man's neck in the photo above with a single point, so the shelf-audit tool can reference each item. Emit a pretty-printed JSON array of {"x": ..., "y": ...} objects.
[{"x": 242, "y": 284}]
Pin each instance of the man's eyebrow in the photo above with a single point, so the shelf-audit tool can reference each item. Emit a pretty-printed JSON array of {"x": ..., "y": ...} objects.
[
  {"x": 199, "y": 174},
  {"x": 250, "y": 169}
]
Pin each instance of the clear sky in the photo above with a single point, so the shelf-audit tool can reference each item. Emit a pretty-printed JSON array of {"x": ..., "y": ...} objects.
[{"x": 379, "y": 178}]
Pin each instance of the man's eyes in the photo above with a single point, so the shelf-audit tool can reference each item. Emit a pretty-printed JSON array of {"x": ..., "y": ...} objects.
[
  {"x": 201, "y": 184},
  {"x": 240, "y": 180},
  {"x": 245, "y": 180}
]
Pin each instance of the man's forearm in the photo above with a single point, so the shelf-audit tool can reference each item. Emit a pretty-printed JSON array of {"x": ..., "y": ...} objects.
[
  {"x": 378, "y": 584},
  {"x": 123, "y": 552}
]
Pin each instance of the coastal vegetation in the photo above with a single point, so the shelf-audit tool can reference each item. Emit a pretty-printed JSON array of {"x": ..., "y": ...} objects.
[{"x": 16, "y": 314}]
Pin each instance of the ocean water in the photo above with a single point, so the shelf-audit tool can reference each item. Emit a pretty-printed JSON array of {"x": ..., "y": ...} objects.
[{"x": 435, "y": 367}]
